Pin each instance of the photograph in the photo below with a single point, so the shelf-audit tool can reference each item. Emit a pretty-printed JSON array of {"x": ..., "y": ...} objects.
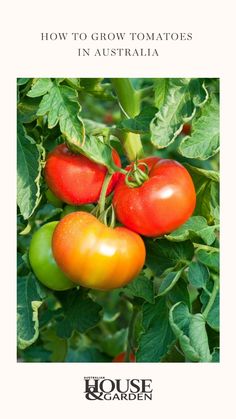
[{"x": 118, "y": 220}]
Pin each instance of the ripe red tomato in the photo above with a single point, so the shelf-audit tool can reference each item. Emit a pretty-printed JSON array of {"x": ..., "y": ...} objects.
[
  {"x": 161, "y": 204},
  {"x": 96, "y": 256},
  {"x": 121, "y": 357},
  {"x": 74, "y": 178}
]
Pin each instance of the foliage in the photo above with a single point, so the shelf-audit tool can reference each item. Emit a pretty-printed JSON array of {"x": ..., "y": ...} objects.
[{"x": 170, "y": 312}]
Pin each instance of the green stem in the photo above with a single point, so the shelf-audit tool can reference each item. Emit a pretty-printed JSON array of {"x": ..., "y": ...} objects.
[
  {"x": 102, "y": 198},
  {"x": 129, "y": 100},
  {"x": 131, "y": 332},
  {"x": 212, "y": 298},
  {"x": 128, "y": 97},
  {"x": 205, "y": 247}
]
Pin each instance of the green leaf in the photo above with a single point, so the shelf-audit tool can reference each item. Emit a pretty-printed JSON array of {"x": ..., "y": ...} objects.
[
  {"x": 179, "y": 293},
  {"x": 216, "y": 355},
  {"x": 80, "y": 313},
  {"x": 207, "y": 174},
  {"x": 40, "y": 87},
  {"x": 157, "y": 336},
  {"x": 162, "y": 254},
  {"x": 191, "y": 332},
  {"x": 210, "y": 259},
  {"x": 54, "y": 344},
  {"x": 204, "y": 140},
  {"x": 198, "y": 275},
  {"x": 179, "y": 106},
  {"x": 95, "y": 149},
  {"x": 141, "y": 123},
  {"x": 62, "y": 106},
  {"x": 86, "y": 355},
  {"x": 141, "y": 287},
  {"x": 213, "y": 318},
  {"x": 28, "y": 303},
  {"x": 196, "y": 226},
  {"x": 169, "y": 282},
  {"x": 28, "y": 172},
  {"x": 161, "y": 90},
  {"x": 22, "y": 81},
  {"x": 27, "y": 109}
]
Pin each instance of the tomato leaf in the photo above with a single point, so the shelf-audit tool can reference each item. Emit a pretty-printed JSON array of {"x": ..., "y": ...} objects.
[
  {"x": 27, "y": 109},
  {"x": 191, "y": 333},
  {"x": 86, "y": 355},
  {"x": 162, "y": 254},
  {"x": 55, "y": 345},
  {"x": 161, "y": 90},
  {"x": 179, "y": 106},
  {"x": 28, "y": 172},
  {"x": 141, "y": 287},
  {"x": 61, "y": 106},
  {"x": 198, "y": 275},
  {"x": 208, "y": 174},
  {"x": 196, "y": 226},
  {"x": 40, "y": 87},
  {"x": 169, "y": 282},
  {"x": 157, "y": 334},
  {"x": 213, "y": 318},
  {"x": 210, "y": 259},
  {"x": 28, "y": 303},
  {"x": 141, "y": 123},
  {"x": 204, "y": 140},
  {"x": 80, "y": 313}
]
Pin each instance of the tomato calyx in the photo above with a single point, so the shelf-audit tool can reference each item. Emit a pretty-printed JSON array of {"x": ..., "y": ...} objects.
[{"x": 137, "y": 175}]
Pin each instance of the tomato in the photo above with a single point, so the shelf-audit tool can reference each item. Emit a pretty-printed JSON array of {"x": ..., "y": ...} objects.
[
  {"x": 43, "y": 262},
  {"x": 121, "y": 357},
  {"x": 74, "y": 178},
  {"x": 186, "y": 130},
  {"x": 96, "y": 256},
  {"x": 161, "y": 204}
]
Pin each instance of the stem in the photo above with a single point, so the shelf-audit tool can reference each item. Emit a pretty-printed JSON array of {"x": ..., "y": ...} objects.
[
  {"x": 102, "y": 198},
  {"x": 128, "y": 97},
  {"x": 205, "y": 247},
  {"x": 129, "y": 100},
  {"x": 212, "y": 298},
  {"x": 131, "y": 332}
]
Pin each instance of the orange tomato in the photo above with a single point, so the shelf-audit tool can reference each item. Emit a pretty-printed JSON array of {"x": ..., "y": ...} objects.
[{"x": 94, "y": 255}]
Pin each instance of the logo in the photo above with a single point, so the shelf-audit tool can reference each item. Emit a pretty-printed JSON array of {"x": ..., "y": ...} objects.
[{"x": 101, "y": 388}]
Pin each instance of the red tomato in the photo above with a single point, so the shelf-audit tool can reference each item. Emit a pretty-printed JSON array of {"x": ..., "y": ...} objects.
[
  {"x": 74, "y": 178},
  {"x": 186, "y": 130},
  {"x": 161, "y": 204},
  {"x": 121, "y": 357},
  {"x": 96, "y": 256}
]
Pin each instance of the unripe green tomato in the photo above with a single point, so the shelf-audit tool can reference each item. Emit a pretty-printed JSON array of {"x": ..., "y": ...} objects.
[
  {"x": 52, "y": 199},
  {"x": 43, "y": 262}
]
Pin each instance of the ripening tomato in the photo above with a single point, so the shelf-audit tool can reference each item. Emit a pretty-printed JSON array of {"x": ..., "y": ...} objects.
[
  {"x": 186, "y": 130},
  {"x": 161, "y": 204},
  {"x": 96, "y": 256},
  {"x": 43, "y": 262},
  {"x": 121, "y": 357},
  {"x": 74, "y": 178}
]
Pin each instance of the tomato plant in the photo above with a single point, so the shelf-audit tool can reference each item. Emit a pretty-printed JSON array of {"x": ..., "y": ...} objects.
[{"x": 118, "y": 220}]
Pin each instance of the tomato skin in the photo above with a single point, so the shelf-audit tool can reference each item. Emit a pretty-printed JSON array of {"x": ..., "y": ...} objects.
[
  {"x": 96, "y": 256},
  {"x": 43, "y": 262},
  {"x": 186, "y": 130},
  {"x": 121, "y": 357},
  {"x": 74, "y": 178},
  {"x": 161, "y": 204}
]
